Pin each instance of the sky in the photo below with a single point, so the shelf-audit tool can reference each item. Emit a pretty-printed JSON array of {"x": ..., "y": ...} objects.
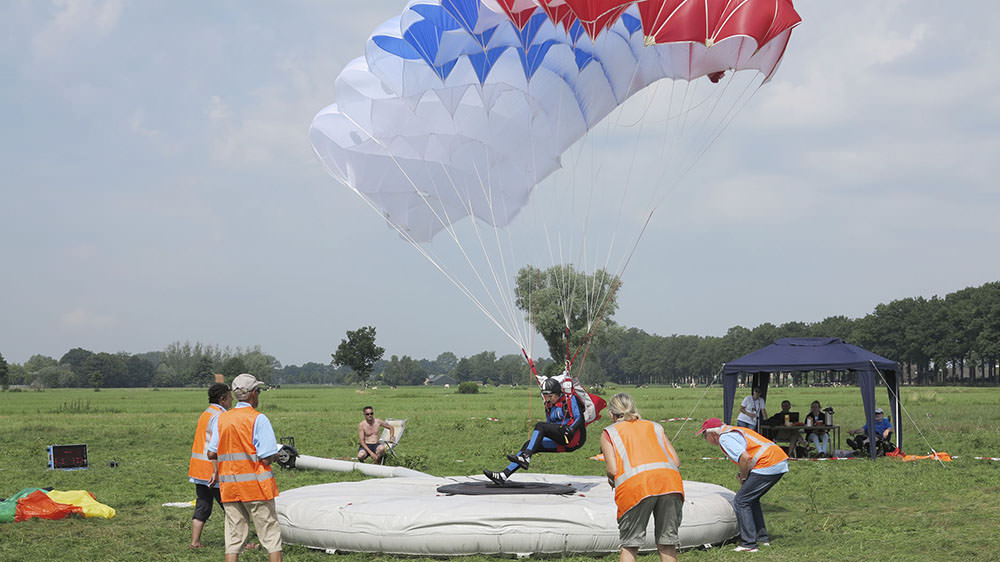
[{"x": 159, "y": 185}]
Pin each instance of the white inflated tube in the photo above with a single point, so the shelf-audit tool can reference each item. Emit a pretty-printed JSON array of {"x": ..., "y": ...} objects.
[{"x": 334, "y": 465}]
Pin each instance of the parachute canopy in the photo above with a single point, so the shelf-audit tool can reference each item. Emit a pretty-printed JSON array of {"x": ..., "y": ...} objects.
[
  {"x": 460, "y": 107},
  {"x": 30, "y": 503}
]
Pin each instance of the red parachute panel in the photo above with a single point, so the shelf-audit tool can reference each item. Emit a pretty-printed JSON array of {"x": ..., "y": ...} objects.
[
  {"x": 518, "y": 11},
  {"x": 597, "y": 15},
  {"x": 711, "y": 21},
  {"x": 559, "y": 12}
]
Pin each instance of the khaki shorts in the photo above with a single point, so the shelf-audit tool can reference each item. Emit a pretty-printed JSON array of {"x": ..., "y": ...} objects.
[
  {"x": 666, "y": 511},
  {"x": 265, "y": 521}
]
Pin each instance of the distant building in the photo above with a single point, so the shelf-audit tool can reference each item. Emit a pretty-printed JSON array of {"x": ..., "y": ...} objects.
[{"x": 440, "y": 380}]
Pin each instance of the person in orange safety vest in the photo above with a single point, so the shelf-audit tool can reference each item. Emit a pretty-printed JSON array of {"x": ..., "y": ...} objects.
[
  {"x": 245, "y": 446},
  {"x": 643, "y": 469},
  {"x": 202, "y": 471},
  {"x": 762, "y": 464}
]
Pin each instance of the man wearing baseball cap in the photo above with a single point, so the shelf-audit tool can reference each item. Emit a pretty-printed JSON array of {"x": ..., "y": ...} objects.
[
  {"x": 883, "y": 429},
  {"x": 245, "y": 446},
  {"x": 762, "y": 464}
]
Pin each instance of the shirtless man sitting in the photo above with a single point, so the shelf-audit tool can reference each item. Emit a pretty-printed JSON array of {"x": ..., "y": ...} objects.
[{"x": 368, "y": 436}]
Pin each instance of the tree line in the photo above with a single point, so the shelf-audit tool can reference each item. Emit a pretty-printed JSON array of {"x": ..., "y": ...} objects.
[
  {"x": 953, "y": 339},
  {"x": 180, "y": 364},
  {"x": 949, "y": 340}
]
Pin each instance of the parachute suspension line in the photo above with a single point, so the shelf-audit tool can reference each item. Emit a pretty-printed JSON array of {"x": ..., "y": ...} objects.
[
  {"x": 449, "y": 227},
  {"x": 506, "y": 302},
  {"x": 587, "y": 338},
  {"x": 569, "y": 358},
  {"x": 742, "y": 99},
  {"x": 905, "y": 411},
  {"x": 532, "y": 371},
  {"x": 696, "y": 404},
  {"x": 409, "y": 238},
  {"x": 595, "y": 293},
  {"x": 565, "y": 284},
  {"x": 595, "y": 296}
]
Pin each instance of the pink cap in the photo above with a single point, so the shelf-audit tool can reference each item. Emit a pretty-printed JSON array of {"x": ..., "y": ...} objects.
[{"x": 709, "y": 424}]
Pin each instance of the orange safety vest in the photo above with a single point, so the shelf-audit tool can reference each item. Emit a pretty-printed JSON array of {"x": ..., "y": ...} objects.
[
  {"x": 200, "y": 467},
  {"x": 763, "y": 452},
  {"x": 242, "y": 477},
  {"x": 645, "y": 466}
]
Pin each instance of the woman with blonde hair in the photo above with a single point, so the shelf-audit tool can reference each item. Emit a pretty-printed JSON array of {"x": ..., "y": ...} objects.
[{"x": 642, "y": 467}]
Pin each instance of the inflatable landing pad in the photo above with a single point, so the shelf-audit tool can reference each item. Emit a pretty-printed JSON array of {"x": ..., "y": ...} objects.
[{"x": 409, "y": 516}]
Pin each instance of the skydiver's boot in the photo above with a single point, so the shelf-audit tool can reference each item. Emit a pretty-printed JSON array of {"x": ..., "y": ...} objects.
[
  {"x": 522, "y": 460},
  {"x": 498, "y": 478}
]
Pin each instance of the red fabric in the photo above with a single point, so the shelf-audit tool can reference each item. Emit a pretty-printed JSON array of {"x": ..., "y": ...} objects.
[
  {"x": 38, "y": 504},
  {"x": 711, "y": 21},
  {"x": 519, "y": 12},
  {"x": 558, "y": 12},
  {"x": 573, "y": 444},
  {"x": 597, "y": 15},
  {"x": 599, "y": 404}
]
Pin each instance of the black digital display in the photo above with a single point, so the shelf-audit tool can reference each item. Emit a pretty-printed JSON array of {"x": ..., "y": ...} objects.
[{"x": 68, "y": 457}]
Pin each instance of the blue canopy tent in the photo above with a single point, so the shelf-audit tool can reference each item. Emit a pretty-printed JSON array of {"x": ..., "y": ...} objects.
[{"x": 818, "y": 354}]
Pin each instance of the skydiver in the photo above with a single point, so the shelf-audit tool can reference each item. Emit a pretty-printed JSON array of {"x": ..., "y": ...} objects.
[{"x": 565, "y": 429}]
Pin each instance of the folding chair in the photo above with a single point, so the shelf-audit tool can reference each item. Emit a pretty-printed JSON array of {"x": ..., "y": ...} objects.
[{"x": 398, "y": 427}]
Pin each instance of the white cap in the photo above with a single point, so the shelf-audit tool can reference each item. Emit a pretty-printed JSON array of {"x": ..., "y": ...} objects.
[{"x": 244, "y": 384}]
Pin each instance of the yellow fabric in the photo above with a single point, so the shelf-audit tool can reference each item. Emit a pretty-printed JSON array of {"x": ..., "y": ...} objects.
[{"x": 83, "y": 500}]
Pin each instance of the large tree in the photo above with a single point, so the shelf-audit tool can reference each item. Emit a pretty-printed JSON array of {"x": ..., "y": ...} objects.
[
  {"x": 140, "y": 371},
  {"x": 105, "y": 369},
  {"x": 232, "y": 367},
  {"x": 75, "y": 359},
  {"x": 403, "y": 371},
  {"x": 204, "y": 373},
  {"x": 562, "y": 300},
  {"x": 359, "y": 352}
]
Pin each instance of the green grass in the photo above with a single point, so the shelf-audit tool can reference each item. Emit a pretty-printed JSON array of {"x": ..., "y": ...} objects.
[{"x": 831, "y": 510}]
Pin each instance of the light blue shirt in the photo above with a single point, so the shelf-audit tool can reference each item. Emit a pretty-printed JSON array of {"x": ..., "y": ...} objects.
[
  {"x": 734, "y": 445},
  {"x": 263, "y": 434}
]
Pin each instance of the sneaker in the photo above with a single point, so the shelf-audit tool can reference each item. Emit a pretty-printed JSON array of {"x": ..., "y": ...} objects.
[
  {"x": 498, "y": 478},
  {"x": 742, "y": 548},
  {"x": 521, "y": 460}
]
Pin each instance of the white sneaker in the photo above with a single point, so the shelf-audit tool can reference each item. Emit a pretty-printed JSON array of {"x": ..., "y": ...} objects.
[
  {"x": 742, "y": 548},
  {"x": 498, "y": 478}
]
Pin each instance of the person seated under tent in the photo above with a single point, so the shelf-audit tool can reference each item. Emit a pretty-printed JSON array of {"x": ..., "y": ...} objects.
[
  {"x": 883, "y": 434},
  {"x": 565, "y": 429}
]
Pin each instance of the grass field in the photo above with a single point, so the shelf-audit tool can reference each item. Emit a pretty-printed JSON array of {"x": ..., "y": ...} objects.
[{"x": 829, "y": 510}]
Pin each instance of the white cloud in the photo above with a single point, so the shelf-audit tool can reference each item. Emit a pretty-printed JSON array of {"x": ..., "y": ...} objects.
[
  {"x": 82, "y": 319},
  {"x": 137, "y": 124},
  {"x": 218, "y": 110},
  {"x": 75, "y": 19}
]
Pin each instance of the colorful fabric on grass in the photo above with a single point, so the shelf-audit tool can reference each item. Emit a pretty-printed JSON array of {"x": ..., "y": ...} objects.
[
  {"x": 86, "y": 501},
  {"x": 945, "y": 457},
  {"x": 37, "y": 503}
]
